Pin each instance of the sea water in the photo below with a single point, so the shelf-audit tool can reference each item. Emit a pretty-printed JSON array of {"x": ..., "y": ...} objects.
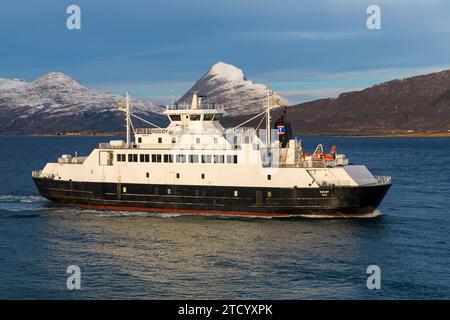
[{"x": 162, "y": 255}]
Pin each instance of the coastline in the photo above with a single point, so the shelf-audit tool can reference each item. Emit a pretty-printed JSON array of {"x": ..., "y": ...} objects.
[{"x": 118, "y": 133}]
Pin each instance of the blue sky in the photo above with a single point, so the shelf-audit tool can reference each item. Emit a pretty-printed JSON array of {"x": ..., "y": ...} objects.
[{"x": 303, "y": 49}]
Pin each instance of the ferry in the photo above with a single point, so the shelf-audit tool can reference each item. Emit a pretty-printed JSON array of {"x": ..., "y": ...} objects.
[{"x": 196, "y": 166}]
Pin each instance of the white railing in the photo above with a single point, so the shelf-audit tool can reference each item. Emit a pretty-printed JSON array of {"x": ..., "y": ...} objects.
[
  {"x": 383, "y": 179},
  {"x": 36, "y": 173}
]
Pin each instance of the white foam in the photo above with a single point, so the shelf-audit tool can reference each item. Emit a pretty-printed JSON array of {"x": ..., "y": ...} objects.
[
  {"x": 23, "y": 199},
  {"x": 373, "y": 214}
]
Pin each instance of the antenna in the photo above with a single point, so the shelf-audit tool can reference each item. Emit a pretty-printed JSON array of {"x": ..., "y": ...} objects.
[{"x": 172, "y": 93}]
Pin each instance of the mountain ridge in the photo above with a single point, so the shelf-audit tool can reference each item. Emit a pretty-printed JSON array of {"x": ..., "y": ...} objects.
[
  {"x": 56, "y": 102},
  {"x": 415, "y": 104},
  {"x": 227, "y": 84}
]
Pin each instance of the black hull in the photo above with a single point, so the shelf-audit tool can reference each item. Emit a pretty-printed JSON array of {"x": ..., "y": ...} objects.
[{"x": 250, "y": 201}]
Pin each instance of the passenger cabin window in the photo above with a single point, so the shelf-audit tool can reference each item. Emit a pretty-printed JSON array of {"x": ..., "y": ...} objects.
[
  {"x": 168, "y": 158},
  {"x": 132, "y": 158},
  {"x": 232, "y": 158},
  {"x": 219, "y": 158},
  {"x": 156, "y": 158},
  {"x": 206, "y": 158},
  {"x": 181, "y": 158},
  {"x": 195, "y": 117},
  {"x": 144, "y": 158},
  {"x": 193, "y": 158},
  {"x": 175, "y": 117}
]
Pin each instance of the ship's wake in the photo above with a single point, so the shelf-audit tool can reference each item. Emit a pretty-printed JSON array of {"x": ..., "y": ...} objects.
[
  {"x": 30, "y": 203},
  {"x": 21, "y": 203},
  {"x": 374, "y": 214}
]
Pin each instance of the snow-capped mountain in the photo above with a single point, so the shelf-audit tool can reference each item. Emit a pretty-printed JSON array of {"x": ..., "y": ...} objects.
[
  {"x": 224, "y": 83},
  {"x": 57, "y": 103}
]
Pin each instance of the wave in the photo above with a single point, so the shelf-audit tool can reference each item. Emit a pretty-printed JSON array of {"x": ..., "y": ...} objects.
[{"x": 23, "y": 199}]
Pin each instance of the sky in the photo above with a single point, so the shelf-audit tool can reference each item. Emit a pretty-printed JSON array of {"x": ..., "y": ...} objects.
[{"x": 304, "y": 50}]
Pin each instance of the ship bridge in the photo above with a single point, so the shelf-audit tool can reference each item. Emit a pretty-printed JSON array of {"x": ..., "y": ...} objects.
[{"x": 199, "y": 116}]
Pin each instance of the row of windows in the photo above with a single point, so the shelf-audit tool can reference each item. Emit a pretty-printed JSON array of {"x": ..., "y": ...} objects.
[
  {"x": 179, "y": 158},
  {"x": 174, "y": 140},
  {"x": 197, "y": 117}
]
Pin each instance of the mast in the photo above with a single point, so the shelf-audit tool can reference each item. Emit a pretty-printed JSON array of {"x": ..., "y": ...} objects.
[{"x": 128, "y": 119}]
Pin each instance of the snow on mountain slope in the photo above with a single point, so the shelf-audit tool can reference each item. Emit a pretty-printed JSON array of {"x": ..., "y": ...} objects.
[
  {"x": 224, "y": 83},
  {"x": 56, "y": 102}
]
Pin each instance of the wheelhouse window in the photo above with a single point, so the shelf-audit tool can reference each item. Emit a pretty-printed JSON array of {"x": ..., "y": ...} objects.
[
  {"x": 160, "y": 140},
  {"x": 217, "y": 117},
  {"x": 175, "y": 117},
  {"x": 195, "y": 117},
  {"x": 208, "y": 117}
]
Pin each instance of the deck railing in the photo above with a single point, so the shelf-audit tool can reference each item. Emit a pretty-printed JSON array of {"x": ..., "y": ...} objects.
[
  {"x": 383, "y": 179},
  {"x": 36, "y": 173}
]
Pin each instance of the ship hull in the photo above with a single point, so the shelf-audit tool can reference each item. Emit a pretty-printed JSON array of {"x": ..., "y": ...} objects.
[{"x": 220, "y": 200}]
